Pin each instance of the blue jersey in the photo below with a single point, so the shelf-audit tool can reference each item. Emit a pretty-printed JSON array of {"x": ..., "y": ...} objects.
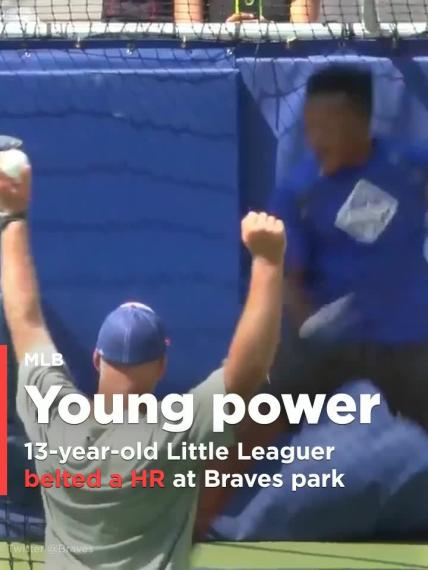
[{"x": 361, "y": 234}]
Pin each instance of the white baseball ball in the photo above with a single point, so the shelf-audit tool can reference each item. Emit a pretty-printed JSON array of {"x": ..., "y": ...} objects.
[{"x": 13, "y": 162}]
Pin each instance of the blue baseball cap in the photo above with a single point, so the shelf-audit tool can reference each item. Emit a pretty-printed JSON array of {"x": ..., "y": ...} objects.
[{"x": 132, "y": 334}]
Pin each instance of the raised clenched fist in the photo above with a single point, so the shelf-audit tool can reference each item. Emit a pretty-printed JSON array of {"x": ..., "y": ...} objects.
[{"x": 264, "y": 236}]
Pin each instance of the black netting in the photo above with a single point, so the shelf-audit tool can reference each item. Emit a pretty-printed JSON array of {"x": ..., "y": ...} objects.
[
  {"x": 21, "y": 520},
  {"x": 266, "y": 20},
  {"x": 21, "y": 534}
]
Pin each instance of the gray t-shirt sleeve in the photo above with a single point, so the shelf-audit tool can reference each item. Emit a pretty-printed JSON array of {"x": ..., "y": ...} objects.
[
  {"x": 43, "y": 377},
  {"x": 203, "y": 412}
]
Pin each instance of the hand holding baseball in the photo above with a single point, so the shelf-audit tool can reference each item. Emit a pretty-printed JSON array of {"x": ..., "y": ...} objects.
[
  {"x": 264, "y": 236},
  {"x": 15, "y": 192}
]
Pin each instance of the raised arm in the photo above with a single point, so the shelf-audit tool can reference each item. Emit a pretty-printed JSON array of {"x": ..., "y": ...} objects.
[
  {"x": 256, "y": 338},
  {"x": 18, "y": 279},
  {"x": 255, "y": 341}
]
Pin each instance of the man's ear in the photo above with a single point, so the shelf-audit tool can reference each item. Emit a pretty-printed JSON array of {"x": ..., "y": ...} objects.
[{"x": 96, "y": 360}]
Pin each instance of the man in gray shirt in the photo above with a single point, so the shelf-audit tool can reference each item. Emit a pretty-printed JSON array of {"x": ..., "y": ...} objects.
[{"x": 128, "y": 527}]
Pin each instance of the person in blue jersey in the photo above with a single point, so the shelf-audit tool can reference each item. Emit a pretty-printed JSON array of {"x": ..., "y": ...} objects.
[
  {"x": 356, "y": 274},
  {"x": 356, "y": 278}
]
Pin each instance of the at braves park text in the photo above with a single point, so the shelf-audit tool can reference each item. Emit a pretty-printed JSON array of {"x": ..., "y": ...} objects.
[{"x": 176, "y": 412}]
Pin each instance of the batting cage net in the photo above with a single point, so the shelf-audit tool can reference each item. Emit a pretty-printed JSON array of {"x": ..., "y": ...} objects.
[
  {"x": 261, "y": 20},
  {"x": 173, "y": 127}
]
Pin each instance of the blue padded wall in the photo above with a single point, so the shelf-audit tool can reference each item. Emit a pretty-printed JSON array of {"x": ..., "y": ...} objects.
[
  {"x": 136, "y": 195},
  {"x": 144, "y": 162}
]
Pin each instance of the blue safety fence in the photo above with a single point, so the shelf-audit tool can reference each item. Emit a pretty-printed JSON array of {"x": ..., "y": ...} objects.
[{"x": 144, "y": 161}]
